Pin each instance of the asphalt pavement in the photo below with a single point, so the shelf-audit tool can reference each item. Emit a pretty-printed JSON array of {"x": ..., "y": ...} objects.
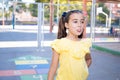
[{"x": 22, "y": 59}]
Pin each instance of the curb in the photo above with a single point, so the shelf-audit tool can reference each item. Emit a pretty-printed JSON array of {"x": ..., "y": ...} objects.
[{"x": 106, "y": 50}]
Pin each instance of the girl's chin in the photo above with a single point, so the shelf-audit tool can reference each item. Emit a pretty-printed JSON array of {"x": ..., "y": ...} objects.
[{"x": 79, "y": 33}]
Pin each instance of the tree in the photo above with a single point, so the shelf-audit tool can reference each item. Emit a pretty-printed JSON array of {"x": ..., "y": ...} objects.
[
  {"x": 43, "y": 1},
  {"x": 33, "y": 9}
]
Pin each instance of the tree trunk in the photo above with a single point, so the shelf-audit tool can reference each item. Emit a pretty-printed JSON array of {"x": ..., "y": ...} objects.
[
  {"x": 51, "y": 15},
  {"x": 85, "y": 14}
]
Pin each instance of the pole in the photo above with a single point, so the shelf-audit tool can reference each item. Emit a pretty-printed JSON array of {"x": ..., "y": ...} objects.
[
  {"x": 3, "y": 12},
  {"x": 110, "y": 15},
  {"x": 42, "y": 29},
  {"x": 106, "y": 18},
  {"x": 39, "y": 34},
  {"x": 92, "y": 32},
  {"x": 58, "y": 11},
  {"x": 13, "y": 16}
]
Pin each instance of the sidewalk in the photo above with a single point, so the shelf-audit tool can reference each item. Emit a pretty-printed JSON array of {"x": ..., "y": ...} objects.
[
  {"x": 112, "y": 48},
  {"x": 109, "y": 44}
]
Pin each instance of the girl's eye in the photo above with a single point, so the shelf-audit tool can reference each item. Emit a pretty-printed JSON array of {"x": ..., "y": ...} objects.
[
  {"x": 75, "y": 21},
  {"x": 82, "y": 22}
]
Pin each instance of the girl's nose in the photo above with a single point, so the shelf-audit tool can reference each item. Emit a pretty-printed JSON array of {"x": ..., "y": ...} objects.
[{"x": 80, "y": 24}]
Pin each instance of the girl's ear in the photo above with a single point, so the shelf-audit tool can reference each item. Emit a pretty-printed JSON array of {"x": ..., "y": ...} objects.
[{"x": 66, "y": 25}]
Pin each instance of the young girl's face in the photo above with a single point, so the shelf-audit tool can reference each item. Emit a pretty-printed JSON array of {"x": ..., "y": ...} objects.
[{"x": 75, "y": 24}]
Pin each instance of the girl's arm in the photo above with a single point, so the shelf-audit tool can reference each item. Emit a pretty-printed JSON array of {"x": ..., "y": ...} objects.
[
  {"x": 54, "y": 65},
  {"x": 88, "y": 59}
]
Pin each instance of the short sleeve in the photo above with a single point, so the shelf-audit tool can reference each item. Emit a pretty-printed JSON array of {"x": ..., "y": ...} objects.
[
  {"x": 56, "y": 45},
  {"x": 87, "y": 45}
]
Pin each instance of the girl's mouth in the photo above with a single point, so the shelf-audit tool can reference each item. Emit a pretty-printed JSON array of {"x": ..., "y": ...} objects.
[{"x": 78, "y": 30}]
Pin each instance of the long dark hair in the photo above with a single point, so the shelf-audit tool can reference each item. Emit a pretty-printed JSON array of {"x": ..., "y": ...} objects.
[{"x": 64, "y": 19}]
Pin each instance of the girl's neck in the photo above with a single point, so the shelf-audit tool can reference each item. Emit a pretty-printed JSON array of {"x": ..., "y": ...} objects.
[{"x": 71, "y": 37}]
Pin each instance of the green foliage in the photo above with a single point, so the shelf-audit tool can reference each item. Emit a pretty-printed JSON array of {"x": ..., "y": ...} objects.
[
  {"x": 101, "y": 17},
  {"x": 0, "y": 14},
  {"x": 7, "y": 14},
  {"x": 46, "y": 12},
  {"x": 21, "y": 6},
  {"x": 43, "y": 1},
  {"x": 64, "y": 6},
  {"x": 33, "y": 9},
  {"x": 11, "y": 8}
]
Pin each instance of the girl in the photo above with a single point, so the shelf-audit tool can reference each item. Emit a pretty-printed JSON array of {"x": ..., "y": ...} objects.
[{"x": 70, "y": 50}]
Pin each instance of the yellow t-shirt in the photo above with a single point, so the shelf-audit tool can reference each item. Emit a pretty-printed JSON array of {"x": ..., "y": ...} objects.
[{"x": 72, "y": 58}]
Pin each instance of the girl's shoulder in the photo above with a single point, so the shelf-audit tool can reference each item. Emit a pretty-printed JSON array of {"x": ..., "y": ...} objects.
[
  {"x": 86, "y": 41},
  {"x": 57, "y": 44}
]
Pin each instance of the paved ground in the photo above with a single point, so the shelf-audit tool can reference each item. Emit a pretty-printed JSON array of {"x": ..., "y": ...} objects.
[
  {"x": 114, "y": 46},
  {"x": 104, "y": 67},
  {"x": 20, "y": 58}
]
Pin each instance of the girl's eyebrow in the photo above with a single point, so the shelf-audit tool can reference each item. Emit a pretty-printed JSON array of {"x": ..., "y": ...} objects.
[
  {"x": 77, "y": 19},
  {"x": 82, "y": 19}
]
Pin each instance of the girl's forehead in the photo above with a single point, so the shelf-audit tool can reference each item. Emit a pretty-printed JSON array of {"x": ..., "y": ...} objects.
[{"x": 76, "y": 16}]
